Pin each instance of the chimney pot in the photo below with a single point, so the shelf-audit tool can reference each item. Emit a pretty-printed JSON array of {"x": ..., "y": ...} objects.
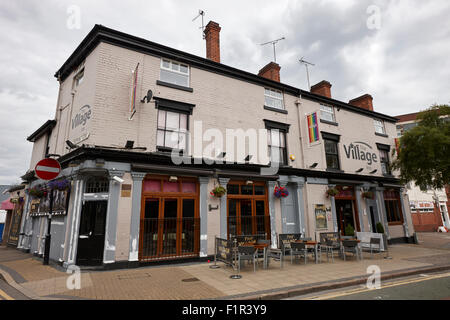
[
  {"x": 322, "y": 88},
  {"x": 270, "y": 71},
  {"x": 365, "y": 102},
  {"x": 212, "y": 37}
]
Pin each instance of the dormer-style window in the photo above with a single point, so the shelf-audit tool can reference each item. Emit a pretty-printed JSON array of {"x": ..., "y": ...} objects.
[
  {"x": 327, "y": 113},
  {"x": 78, "y": 79},
  {"x": 273, "y": 99},
  {"x": 174, "y": 73},
  {"x": 379, "y": 126}
]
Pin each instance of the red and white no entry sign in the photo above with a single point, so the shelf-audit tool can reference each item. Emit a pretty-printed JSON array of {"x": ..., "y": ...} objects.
[{"x": 47, "y": 169}]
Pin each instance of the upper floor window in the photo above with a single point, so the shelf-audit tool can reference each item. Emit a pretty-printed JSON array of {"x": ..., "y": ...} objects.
[
  {"x": 277, "y": 146},
  {"x": 384, "y": 160},
  {"x": 379, "y": 126},
  {"x": 331, "y": 154},
  {"x": 327, "y": 113},
  {"x": 78, "y": 79},
  {"x": 331, "y": 142},
  {"x": 273, "y": 99},
  {"x": 172, "y": 130},
  {"x": 174, "y": 72}
]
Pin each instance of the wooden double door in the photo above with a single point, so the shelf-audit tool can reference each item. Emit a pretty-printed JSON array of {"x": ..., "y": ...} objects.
[{"x": 169, "y": 227}]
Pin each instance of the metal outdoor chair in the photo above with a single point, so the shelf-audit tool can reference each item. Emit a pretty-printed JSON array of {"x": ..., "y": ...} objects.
[
  {"x": 298, "y": 249},
  {"x": 260, "y": 254},
  {"x": 276, "y": 254},
  {"x": 375, "y": 244},
  {"x": 350, "y": 246},
  {"x": 330, "y": 247},
  {"x": 246, "y": 253}
]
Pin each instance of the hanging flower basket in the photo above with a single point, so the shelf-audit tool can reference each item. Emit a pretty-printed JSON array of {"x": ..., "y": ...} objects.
[
  {"x": 367, "y": 195},
  {"x": 332, "y": 192},
  {"x": 218, "y": 191},
  {"x": 61, "y": 185},
  {"x": 37, "y": 192},
  {"x": 280, "y": 192}
]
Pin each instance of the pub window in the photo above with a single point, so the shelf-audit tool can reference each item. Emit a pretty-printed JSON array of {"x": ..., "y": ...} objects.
[
  {"x": 273, "y": 99},
  {"x": 78, "y": 79},
  {"x": 174, "y": 72},
  {"x": 277, "y": 146},
  {"x": 331, "y": 154},
  {"x": 97, "y": 185},
  {"x": 384, "y": 160},
  {"x": 392, "y": 205},
  {"x": 327, "y": 113},
  {"x": 172, "y": 130},
  {"x": 379, "y": 126}
]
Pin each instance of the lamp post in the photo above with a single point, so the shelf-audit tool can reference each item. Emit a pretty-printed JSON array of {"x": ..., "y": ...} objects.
[{"x": 48, "y": 235}]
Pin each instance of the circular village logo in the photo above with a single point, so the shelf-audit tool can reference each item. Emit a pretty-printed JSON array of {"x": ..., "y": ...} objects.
[
  {"x": 80, "y": 124},
  {"x": 361, "y": 151}
]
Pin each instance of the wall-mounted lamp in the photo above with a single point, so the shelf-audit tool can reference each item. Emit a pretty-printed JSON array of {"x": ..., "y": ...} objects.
[
  {"x": 372, "y": 172},
  {"x": 211, "y": 208},
  {"x": 292, "y": 157},
  {"x": 120, "y": 180},
  {"x": 359, "y": 170},
  {"x": 129, "y": 144},
  {"x": 313, "y": 165},
  {"x": 248, "y": 158},
  {"x": 222, "y": 155},
  {"x": 173, "y": 179},
  {"x": 249, "y": 182},
  {"x": 71, "y": 144}
]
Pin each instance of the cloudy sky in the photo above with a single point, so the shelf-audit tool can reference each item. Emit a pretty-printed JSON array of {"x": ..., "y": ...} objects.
[{"x": 398, "y": 51}]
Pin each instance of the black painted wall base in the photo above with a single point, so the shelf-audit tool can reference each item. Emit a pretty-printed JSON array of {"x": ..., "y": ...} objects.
[{"x": 402, "y": 240}]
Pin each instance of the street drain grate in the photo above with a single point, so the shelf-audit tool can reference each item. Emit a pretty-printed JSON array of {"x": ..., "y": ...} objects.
[
  {"x": 133, "y": 276},
  {"x": 190, "y": 280}
]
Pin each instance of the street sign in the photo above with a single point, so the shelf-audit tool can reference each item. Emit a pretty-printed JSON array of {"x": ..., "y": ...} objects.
[{"x": 47, "y": 169}]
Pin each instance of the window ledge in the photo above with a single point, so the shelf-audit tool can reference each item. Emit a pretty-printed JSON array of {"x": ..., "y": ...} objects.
[
  {"x": 173, "y": 86},
  {"x": 168, "y": 150},
  {"x": 275, "y": 109},
  {"x": 329, "y": 122},
  {"x": 381, "y": 135}
]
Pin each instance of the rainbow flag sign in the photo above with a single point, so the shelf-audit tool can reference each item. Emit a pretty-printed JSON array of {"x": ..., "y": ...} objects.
[
  {"x": 133, "y": 92},
  {"x": 313, "y": 127}
]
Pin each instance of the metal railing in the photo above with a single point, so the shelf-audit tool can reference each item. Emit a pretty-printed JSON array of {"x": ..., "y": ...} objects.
[
  {"x": 170, "y": 237},
  {"x": 249, "y": 225}
]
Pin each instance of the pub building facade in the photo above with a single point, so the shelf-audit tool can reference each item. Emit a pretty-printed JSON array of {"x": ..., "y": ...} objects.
[{"x": 128, "y": 203}]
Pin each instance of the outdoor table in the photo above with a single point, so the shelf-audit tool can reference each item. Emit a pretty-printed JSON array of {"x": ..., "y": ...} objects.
[{"x": 310, "y": 243}]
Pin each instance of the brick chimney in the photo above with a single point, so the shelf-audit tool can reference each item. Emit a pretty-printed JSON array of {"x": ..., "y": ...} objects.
[
  {"x": 365, "y": 102},
  {"x": 271, "y": 71},
  {"x": 322, "y": 88},
  {"x": 212, "y": 37}
]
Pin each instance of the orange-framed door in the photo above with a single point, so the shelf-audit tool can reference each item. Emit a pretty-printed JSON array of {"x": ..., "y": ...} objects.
[{"x": 247, "y": 216}]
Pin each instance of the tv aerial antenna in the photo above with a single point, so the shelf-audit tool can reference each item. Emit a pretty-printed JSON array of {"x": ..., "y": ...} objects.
[
  {"x": 201, "y": 13},
  {"x": 306, "y": 63},
  {"x": 273, "y": 42}
]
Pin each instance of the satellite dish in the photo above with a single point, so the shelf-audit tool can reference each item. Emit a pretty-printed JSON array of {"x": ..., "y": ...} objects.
[{"x": 148, "y": 97}]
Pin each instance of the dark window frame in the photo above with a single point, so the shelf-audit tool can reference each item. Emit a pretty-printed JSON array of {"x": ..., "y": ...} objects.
[
  {"x": 333, "y": 138},
  {"x": 283, "y": 128}
]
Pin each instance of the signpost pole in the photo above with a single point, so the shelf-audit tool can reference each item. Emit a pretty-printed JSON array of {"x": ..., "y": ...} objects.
[{"x": 48, "y": 236}]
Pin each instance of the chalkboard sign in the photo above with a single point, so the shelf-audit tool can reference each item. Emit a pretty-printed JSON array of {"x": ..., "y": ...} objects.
[
  {"x": 223, "y": 250},
  {"x": 246, "y": 239},
  {"x": 287, "y": 238}
]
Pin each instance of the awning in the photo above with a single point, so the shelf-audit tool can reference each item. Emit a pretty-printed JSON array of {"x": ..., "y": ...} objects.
[{"x": 6, "y": 205}]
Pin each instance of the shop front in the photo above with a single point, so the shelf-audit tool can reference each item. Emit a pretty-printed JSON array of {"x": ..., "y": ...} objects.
[
  {"x": 346, "y": 210},
  {"x": 247, "y": 208},
  {"x": 170, "y": 223}
]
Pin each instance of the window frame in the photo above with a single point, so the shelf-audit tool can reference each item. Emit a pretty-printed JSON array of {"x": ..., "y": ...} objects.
[
  {"x": 169, "y": 69},
  {"x": 274, "y": 97},
  {"x": 390, "y": 215},
  {"x": 382, "y": 126},
  {"x": 333, "y": 113},
  {"x": 76, "y": 79},
  {"x": 164, "y": 147},
  {"x": 281, "y": 149}
]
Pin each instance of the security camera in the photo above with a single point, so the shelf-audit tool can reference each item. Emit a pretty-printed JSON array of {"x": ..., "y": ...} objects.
[{"x": 120, "y": 180}]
